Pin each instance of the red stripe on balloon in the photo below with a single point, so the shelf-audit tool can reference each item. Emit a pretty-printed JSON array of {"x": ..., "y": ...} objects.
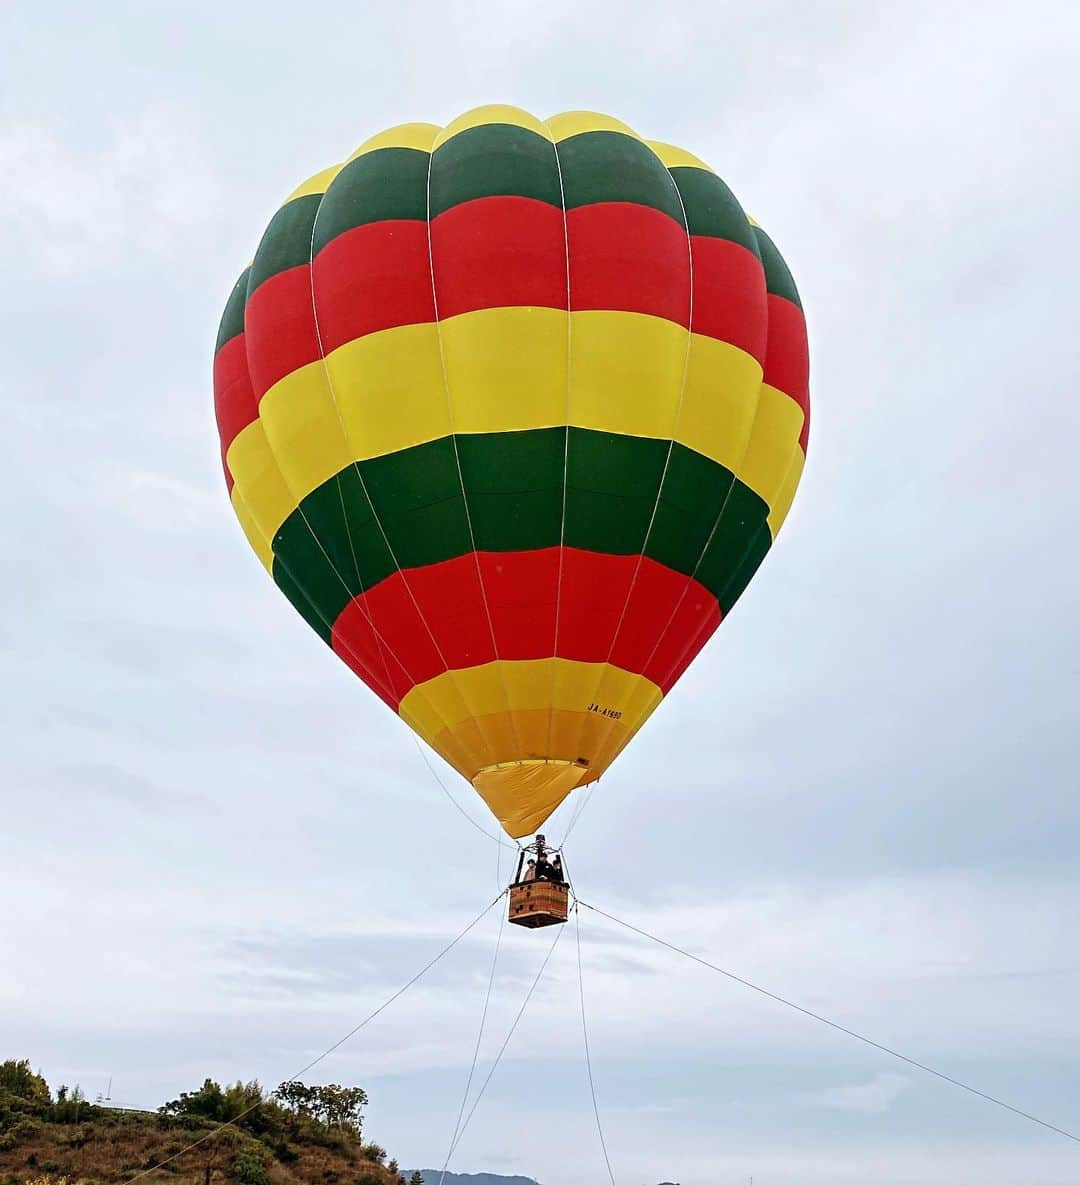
[
  {"x": 499, "y": 252},
  {"x": 280, "y": 328},
  {"x": 629, "y": 258},
  {"x": 729, "y": 295},
  {"x": 787, "y": 360},
  {"x": 371, "y": 278},
  {"x": 235, "y": 405},
  {"x": 434, "y": 618}
]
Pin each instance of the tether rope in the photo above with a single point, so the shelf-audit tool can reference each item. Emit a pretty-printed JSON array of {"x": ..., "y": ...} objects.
[
  {"x": 832, "y": 1024},
  {"x": 585, "y": 1036},
  {"x": 506, "y": 1042},
  {"x": 476, "y": 1050},
  {"x": 326, "y": 1052}
]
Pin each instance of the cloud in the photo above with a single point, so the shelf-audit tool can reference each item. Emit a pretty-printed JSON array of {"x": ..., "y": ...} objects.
[
  {"x": 143, "y": 188},
  {"x": 873, "y": 1097}
]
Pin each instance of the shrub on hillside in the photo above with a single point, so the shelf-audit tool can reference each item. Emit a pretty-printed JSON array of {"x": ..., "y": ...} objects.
[
  {"x": 249, "y": 1165},
  {"x": 18, "y": 1130}
]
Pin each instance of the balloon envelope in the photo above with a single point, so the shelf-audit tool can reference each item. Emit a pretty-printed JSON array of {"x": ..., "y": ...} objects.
[{"x": 512, "y": 410}]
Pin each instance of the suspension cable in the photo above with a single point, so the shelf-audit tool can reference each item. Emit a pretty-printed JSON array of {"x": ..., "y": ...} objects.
[
  {"x": 585, "y": 1036},
  {"x": 476, "y": 1050},
  {"x": 330, "y": 1049},
  {"x": 834, "y": 1025},
  {"x": 457, "y": 805},
  {"x": 579, "y": 810},
  {"x": 506, "y": 1042}
]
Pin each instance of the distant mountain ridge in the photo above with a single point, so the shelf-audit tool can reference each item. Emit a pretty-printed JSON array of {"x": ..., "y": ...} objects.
[{"x": 433, "y": 1176}]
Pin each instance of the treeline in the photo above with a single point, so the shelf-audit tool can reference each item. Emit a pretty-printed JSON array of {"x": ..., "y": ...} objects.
[
  {"x": 291, "y": 1107},
  {"x": 272, "y": 1136}
]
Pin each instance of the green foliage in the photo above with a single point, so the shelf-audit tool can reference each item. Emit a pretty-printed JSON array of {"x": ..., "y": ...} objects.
[
  {"x": 23, "y": 1094},
  {"x": 18, "y": 1130},
  {"x": 249, "y": 1164},
  {"x": 417, "y": 1178},
  {"x": 220, "y": 1104},
  {"x": 332, "y": 1105},
  {"x": 373, "y": 1152},
  {"x": 244, "y": 1104},
  {"x": 71, "y": 1107},
  {"x": 20, "y": 1082}
]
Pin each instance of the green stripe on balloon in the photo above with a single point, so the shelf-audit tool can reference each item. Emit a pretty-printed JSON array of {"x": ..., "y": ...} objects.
[
  {"x": 778, "y": 278},
  {"x": 494, "y": 159},
  {"x": 232, "y": 319},
  {"x": 286, "y": 242},
  {"x": 389, "y": 183},
  {"x": 712, "y": 209},
  {"x": 514, "y": 483},
  {"x": 612, "y": 167}
]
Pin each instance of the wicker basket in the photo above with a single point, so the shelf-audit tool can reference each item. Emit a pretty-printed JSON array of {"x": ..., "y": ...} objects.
[{"x": 538, "y": 903}]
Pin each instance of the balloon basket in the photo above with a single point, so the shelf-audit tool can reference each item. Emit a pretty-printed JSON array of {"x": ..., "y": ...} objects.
[{"x": 538, "y": 903}]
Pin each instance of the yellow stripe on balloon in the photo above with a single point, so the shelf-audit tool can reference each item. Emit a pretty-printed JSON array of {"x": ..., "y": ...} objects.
[
  {"x": 260, "y": 545},
  {"x": 506, "y": 371},
  {"x": 626, "y": 372},
  {"x": 574, "y": 123},
  {"x": 723, "y": 384},
  {"x": 268, "y": 501},
  {"x": 777, "y": 425},
  {"x": 573, "y": 735},
  {"x": 506, "y": 368},
  {"x": 676, "y": 158},
  {"x": 420, "y": 136},
  {"x": 304, "y": 429},
  {"x": 537, "y": 684},
  {"x": 317, "y": 184},
  {"x": 389, "y": 389},
  {"x": 786, "y": 492},
  {"x": 493, "y": 113}
]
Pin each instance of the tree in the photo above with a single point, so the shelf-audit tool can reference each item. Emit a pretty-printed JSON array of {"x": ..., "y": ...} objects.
[
  {"x": 243, "y": 1103},
  {"x": 208, "y": 1102},
  {"x": 342, "y": 1106},
  {"x": 18, "y": 1080},
  {"x": 297, "y": 1097},
  {"x": 417, "y": 1178},
  {"x": 331, "y": 1105}
]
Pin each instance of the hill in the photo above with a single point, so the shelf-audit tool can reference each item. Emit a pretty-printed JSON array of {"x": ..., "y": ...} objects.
[{"x": 298, "y": 1135}]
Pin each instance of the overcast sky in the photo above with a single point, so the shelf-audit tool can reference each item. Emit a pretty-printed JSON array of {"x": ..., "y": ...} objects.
[{"x": 219, "y": 849}]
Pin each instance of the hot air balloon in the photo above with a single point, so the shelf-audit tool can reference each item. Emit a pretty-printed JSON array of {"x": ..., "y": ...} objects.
[{"x": 512, "y": 410}]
